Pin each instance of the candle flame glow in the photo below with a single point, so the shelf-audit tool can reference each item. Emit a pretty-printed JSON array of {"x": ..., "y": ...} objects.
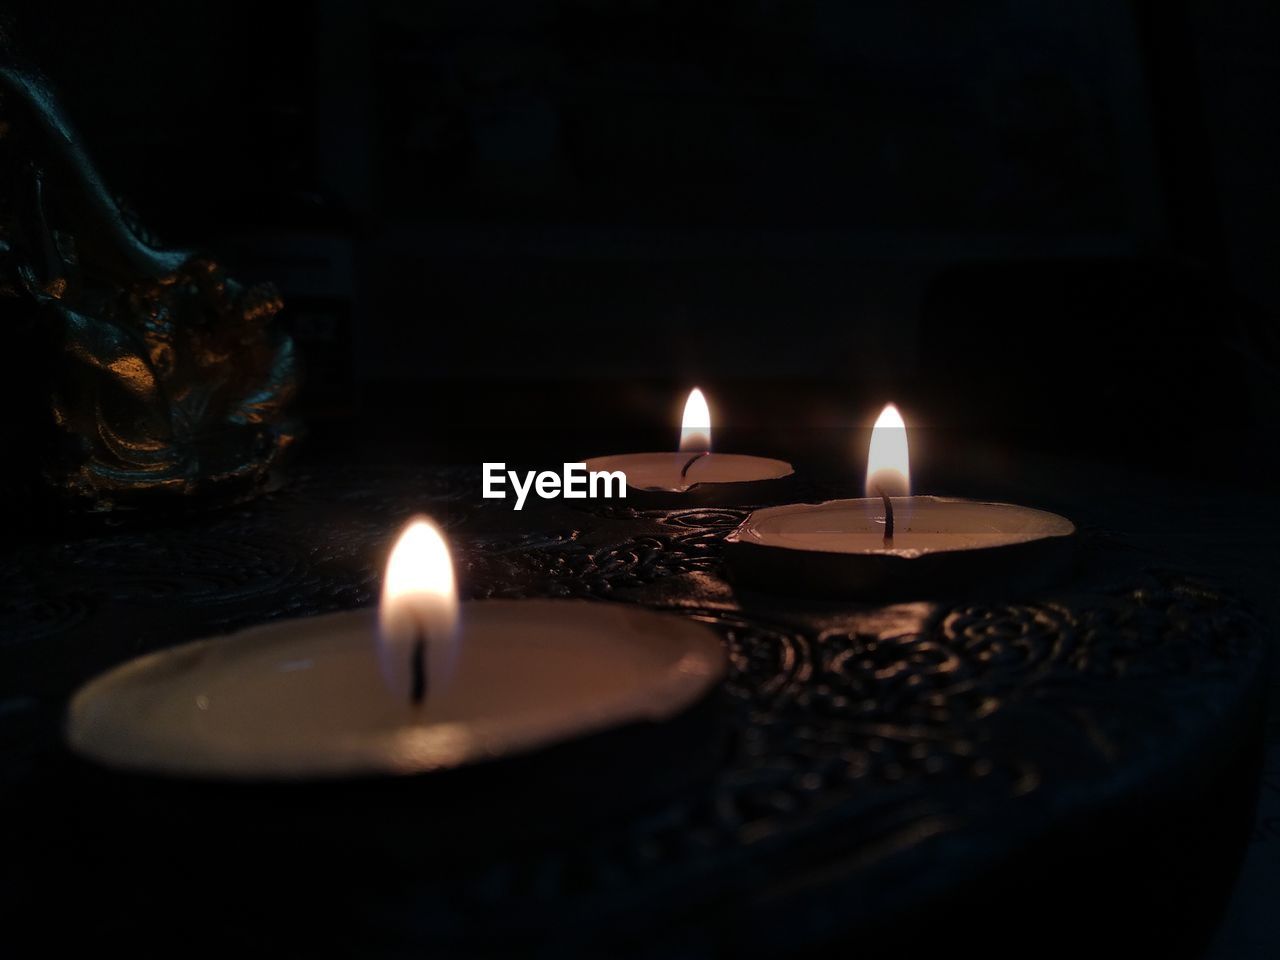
[
  {"x": 888, "y": 462},
  {"x": 419, "y": 607},
  {"x": 695, "y": 428}
]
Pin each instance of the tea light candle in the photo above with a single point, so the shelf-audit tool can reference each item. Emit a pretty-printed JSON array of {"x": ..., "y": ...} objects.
[
  {"x": 693, "y": 472},
  {"x": 424, "y": 685},
  {"x": 891, "y": 544}
]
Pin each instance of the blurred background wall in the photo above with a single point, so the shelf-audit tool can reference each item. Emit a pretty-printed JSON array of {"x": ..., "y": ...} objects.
[{"x": 1019, "y": 215}]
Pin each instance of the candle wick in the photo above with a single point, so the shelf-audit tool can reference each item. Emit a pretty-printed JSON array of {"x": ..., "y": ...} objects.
[
  {"x": 697, "y": 456},
  {"x": 418, "y": 669},
  {"x": 888, "y": 517}
]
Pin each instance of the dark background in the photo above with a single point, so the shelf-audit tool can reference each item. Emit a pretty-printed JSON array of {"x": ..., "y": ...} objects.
[
  {"x": 522, "y": 230},
  {"x": 1050, "y": 225}
]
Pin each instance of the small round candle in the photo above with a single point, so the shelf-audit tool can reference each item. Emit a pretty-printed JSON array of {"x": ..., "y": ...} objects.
[
  {"x": 693, "y": 472},
  {"x": 926, "y": 525},
  {"x": 313, "y": 699},
  {"x": 892, "y": 545}
]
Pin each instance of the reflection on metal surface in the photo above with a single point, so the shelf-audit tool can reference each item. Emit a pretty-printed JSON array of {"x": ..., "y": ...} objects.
[{"x": 134, "y": 373}]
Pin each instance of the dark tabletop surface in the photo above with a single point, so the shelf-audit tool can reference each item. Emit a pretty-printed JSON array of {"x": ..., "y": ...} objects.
[{"x": 830, "y": 804}]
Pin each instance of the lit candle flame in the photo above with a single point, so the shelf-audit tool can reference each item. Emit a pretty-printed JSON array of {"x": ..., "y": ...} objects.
[
  {"x": 695, "y": 428},
  {"x": 418, "y": 614},
  {"x": 888, "y": 463}
]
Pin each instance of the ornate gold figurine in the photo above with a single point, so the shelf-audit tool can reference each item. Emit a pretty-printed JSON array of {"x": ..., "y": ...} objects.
[{"x": 133, "y": 375}]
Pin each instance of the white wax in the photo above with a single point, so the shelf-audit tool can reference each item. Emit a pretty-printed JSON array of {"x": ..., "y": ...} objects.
[
  {"x": 304, "y": 699},
  {"x": 661, "y": 471},
  {"x": 922, "y": 525}
]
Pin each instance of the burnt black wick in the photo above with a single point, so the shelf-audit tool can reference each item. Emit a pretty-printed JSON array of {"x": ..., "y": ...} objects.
[
  {"x": 888, "y": 517},
  {"x": 692, "y": 460},
  {"x": 418, "y": 669}
]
